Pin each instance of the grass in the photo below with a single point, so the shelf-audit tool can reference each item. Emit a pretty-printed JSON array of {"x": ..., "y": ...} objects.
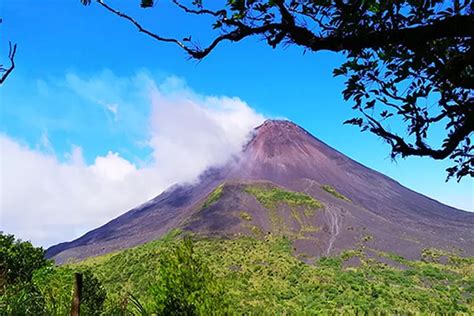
[
  {"x": 261, "y": 276},
  {"x": 213, "y": 197},
  {"x": 333, "y": 192},
  {"x": 271, "y": 196},
  {"x": 301, "y": 206}
]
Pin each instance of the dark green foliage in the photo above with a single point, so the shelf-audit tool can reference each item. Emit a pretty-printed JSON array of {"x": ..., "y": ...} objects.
[
  {"x": 18, "y": 260},
  {"x": 408, "y": 65},
  {"x": 33, "y": 286},
  {"x": 146, "y": 3},
  {"x": 55, "y": 285},
  {"x": 21, "y": 299},
  {"x": 330, "y": 262},
  {"x": 93, "y": 294},
  {"x": 185, "y": 285}
]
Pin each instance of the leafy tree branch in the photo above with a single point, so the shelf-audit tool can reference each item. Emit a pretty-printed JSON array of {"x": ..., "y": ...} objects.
[{"x": 409, "y": 64}]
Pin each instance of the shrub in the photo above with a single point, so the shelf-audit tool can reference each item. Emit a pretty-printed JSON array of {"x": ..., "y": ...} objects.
[
  {"x": 55, "y": 285},
  {"x": 185, "y": 285},
  {"x": 18, "y": 260},
  {"x": 21, "y": 299},
  {"x": 93, "y": 294}
]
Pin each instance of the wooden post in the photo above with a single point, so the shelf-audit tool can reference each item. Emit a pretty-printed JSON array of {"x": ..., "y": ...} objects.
[{"x": 76, "y": 296}]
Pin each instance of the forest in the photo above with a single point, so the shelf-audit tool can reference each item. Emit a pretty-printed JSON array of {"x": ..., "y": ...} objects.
[{"x": 185, "y": 274}]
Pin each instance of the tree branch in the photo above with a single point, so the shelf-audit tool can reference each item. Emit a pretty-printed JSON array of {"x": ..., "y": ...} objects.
[
  {"x": 236, "y": 35},
  {"x": 455, "y": 26},
  {"x": 11, "y": 57},
  {"x": 399, "y": 146},
  {"x": 142, "y": 29},
  {"x": 416, "y": 48},
  {"x": 186, "y": 9}
]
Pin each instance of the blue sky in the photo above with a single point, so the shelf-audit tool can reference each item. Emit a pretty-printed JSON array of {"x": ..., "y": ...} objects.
[{"x": 81, "y": 100}]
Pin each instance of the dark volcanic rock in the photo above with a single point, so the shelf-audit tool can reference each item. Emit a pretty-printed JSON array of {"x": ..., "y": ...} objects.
[{"x": 381, "y": 213}]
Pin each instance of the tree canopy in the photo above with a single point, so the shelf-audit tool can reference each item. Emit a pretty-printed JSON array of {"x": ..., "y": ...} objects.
[
  {"x": 409, "y": 64},
  {"x": 18, "y": 260},
  {"x": 31, "y": 285}
]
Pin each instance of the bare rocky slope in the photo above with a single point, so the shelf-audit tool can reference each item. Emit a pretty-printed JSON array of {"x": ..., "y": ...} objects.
[{"x": 287, "y": 182}]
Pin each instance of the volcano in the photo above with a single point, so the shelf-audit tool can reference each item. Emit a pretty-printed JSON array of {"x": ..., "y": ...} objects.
[{"x": 287, "y": 182}]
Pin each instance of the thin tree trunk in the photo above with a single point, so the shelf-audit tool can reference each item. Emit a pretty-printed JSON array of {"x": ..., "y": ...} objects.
[{"x": 76, "y": 297}]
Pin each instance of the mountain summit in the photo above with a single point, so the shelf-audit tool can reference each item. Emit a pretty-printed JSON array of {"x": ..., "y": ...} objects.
[{"x": 287, "y": 182}]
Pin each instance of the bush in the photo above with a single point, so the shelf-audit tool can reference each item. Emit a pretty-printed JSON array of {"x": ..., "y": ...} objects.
[
  {"x": 185, "y": 285},
  {"x": 31, "y": 285},
  {"x": 18, "y": 260},
  {"x": 93, "y": 294},
  {"x": 21, "y": 299},
  {"x": 55, "y": 285}
]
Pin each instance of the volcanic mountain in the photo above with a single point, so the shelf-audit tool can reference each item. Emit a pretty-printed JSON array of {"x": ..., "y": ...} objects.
[{"x": 287, "y": 182}]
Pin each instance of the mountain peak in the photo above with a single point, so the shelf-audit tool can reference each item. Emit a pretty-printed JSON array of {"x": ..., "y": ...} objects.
[
  {"x": 280, "y": 139},
  {"x": 276, "y": 122},
  {"x": 279, "y": 132},
  {"x": 281, "y": 151},
  {"x": 273, "y": 126},
  {"x": 285, "y": 163}
]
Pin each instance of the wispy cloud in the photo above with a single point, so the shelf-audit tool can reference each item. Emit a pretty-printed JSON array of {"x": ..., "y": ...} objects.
[
  {"x": 113, "y": 108},
  {"x": 48, "y": 199}
]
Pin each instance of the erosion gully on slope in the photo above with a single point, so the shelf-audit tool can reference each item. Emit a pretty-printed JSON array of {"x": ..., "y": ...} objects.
[
  {"x": 334, "y": 220},
  {"x": 332, "y": 216}
]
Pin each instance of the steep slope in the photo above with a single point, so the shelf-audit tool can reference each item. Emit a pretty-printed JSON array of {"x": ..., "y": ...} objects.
[{"x": 287, "y": 182}]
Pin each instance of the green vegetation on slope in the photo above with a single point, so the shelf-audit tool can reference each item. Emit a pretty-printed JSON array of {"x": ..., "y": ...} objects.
[
  {"x": 31, "y": 285},
  {"x": 334, "y": 192},
  {"x": 186, "y": 286},
  {"x": 213, "y": 196},
  {"x": 245, "y": 216},
  {"x": 261, "y": 276},
  {"x": 271, "y": 196},
  {"x": 300, "y": 205},
  {"x": 180, "y": 275}
]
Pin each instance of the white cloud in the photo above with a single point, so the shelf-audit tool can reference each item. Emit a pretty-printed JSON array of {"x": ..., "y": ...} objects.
[
  {"x": 194, "y": 132},
  {"x": 47, "y": 200},
  {"x": 112, "y": 167}
]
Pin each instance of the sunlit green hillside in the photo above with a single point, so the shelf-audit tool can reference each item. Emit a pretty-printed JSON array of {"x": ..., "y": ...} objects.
[
  {"x": 183, "y": 275},
  {"x": 250, "y": 276}
]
